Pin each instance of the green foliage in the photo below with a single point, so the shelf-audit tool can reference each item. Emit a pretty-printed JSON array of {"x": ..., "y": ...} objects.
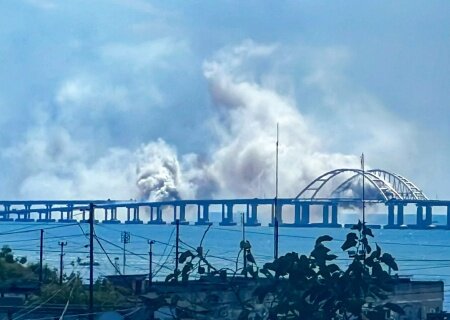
[
  {"x": 106, "y": 296},
  {"x": 310, "y": 287},
  {"x": 314, "y": 287},
  {"x": 13, "y": 269}
]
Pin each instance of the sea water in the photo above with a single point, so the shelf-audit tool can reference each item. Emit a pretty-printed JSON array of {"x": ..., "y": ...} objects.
[{"x": 421, "y": 254}]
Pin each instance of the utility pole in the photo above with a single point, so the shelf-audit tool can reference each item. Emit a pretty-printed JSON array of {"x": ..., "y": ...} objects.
[
  {"x": 124, "y": 238},
  {"x": 61, "y": 262},
  {"x": 91, "y": 261},
  {"x": 276, "y": 201},
  {"x": 243, "y": 240},
  {"x": 177, "y": 247},
  {"x": 41, "y": 257},
  {"x": 150, "y": 263},
  {"x": 363, "y": 200}
]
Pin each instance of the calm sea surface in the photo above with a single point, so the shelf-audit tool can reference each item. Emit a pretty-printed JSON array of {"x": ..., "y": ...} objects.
[{"x": 422, "y": 254}]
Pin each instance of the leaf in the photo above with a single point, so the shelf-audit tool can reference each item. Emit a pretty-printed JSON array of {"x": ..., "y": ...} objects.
[
  {"x": 250, "y": 258},
  {"x": 367, "y": 231},
  {"x": 320, "y": 253},
  {"x": 366, "y": 245},
  {"x": 266, "y": 273},
  {"x": 184, "y": 256},
  {"x": 330, "y": 257},
  {"x": 388, "y": 260},
  {"x": 357, "y": 226},
  {"x": 350, "y": 242},
  {"x": 323, "y": 238},
  {"x": 394, "y": 307}
]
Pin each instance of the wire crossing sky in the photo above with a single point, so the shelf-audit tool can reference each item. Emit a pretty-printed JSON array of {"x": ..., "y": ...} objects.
[{"x": 176, "y": 99}]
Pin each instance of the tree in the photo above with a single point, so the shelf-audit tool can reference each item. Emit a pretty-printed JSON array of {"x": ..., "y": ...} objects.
[
  {"x": 310, "y": 287},
  {"x": 315, "y": 287}
]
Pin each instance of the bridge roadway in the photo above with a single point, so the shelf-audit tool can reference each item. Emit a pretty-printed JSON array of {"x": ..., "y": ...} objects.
[{"x": 63, "y": 211}]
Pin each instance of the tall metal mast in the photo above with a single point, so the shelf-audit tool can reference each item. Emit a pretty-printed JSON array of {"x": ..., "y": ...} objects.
[{"x": 276, "y": 200}]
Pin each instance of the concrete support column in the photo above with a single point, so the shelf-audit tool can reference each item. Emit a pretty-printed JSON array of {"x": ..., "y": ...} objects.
[
  {"x": 206, "y": 213},
  {"x": 137, "y": 212},
  {"x": 391, "y": 215},
  {"x": 182, "y": 212},
  {"x": 151, "y": 214},
  {"x": 128, "y": 214},
  {"x": 229, "y": 212},
  {"x": 326, "y": 218},
  {"x": 159, "y": 214},
  {"x": 297, "y": 214},
  {"x": 7, "y": 211},
  {"x": 48, "y": 212},
  {"x": 305, "y": 214},
  {"x": 428, "y": 215},
  {"x": 448, "y": 216},
  {"x": 419, "y": 216},
  {"x": 203, "y": 214},
  {"x": 334, "y": 214},
  {"x": 106, "y": 214},
  {"x": 279, "y": 213},
  {"x": 252, "y": 215},
  {"x": 227, "y": 215},
  {"x": 83, "y": 214},
  {"x": 247, "y": 213},
  {"x": 400, "y": 214},
  {"x": 70, "y": 212},
  {"x": 272, "y": 215},
  {"x": 174, "y": 213}
]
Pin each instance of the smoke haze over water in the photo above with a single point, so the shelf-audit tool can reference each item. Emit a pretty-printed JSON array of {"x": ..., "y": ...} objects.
[{"x": 238, "y": 161}]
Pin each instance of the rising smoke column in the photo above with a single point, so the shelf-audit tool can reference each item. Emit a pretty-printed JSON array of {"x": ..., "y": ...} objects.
[
  {"x": 243, "y": 164},
  {"x": 242, "y": 160}
]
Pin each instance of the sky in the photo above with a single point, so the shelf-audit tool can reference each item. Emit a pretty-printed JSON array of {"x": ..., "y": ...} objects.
[{"x": 136, "y": 99}]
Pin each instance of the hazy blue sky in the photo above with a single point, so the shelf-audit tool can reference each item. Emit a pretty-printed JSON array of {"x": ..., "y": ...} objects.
[{"x": 88, "y": 87}]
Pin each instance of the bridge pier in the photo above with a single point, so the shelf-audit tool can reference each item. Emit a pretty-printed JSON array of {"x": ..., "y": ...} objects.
[
  {"x": 297, "y": 215},
  {"x": 69, "y": 214},
  {"x": 400, "y": 214},
  {"x": 428, "y": 215},
  {"x": 448, "y": 217},
  {"x": 252, "y": 215},
  {"x": 203, "y": 215},
  {"x": 136, "y": 219},
  {"x": 277, "y": 210},
  {"x": 334, "y": 215},
  {"x": 113, "y": 219},
  {"x": 182, "y": 217},
  {"x": 227, "y": 216},
  {"x": 158, "y": 219},
  {"x": 391, "y": 217},
  {"x": 305, "y": 214},
  {"x": 325, "y": 215},
  {"x": 5, "y": 213},
  {"x": 47, "y": 214}
]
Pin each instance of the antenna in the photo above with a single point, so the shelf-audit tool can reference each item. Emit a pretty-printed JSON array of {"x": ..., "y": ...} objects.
[
  {"x": 363, "y": 190},
  {"x": 363, "y": 200},
  {"x": 276, "y": 200}
]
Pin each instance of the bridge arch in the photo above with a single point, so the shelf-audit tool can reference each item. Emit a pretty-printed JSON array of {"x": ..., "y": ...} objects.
[
  {"x": 406, "y": 189},
  {"x": 389, "y": 185}
]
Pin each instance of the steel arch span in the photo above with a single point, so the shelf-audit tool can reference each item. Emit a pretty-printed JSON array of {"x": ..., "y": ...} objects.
[{"x": 388, "y": 185}]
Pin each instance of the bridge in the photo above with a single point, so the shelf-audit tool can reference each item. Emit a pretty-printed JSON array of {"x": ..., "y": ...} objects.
[{"x": 322, "y": 198}]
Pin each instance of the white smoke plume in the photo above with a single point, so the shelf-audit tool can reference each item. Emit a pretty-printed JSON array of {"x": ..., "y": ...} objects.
[
  {"x": 242, "y": 163},
  {"x": 238, "y": 162}
]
